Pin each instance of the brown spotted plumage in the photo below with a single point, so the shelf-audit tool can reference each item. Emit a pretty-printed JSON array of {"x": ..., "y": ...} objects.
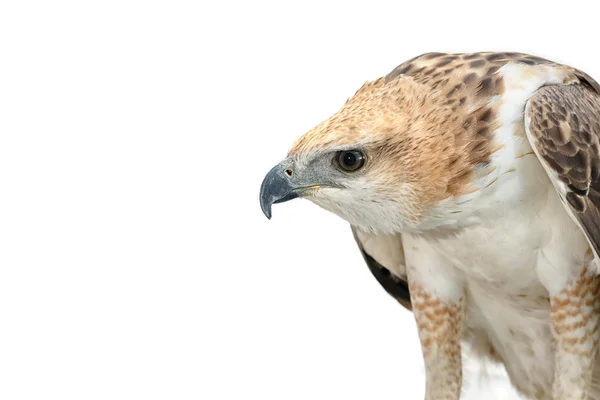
[
  {"x": 575, "y": 312},
  {"x": 565, "y": 127},
  {"x": 440, "y": 331}
]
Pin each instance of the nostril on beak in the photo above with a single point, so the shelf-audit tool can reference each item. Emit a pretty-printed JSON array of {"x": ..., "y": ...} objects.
[{"x": 288, "y": 172}]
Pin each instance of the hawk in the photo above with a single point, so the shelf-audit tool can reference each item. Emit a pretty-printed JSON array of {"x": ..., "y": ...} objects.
[{"x": 472, "y": 185}]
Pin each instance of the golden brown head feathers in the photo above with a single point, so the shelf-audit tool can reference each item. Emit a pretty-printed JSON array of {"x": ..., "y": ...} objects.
[{"x": 409, "y": 134}]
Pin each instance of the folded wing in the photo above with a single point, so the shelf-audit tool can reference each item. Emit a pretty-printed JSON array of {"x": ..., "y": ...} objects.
[
  {"x": 384, "y": 256},
  {"x": 563, "y": 126}
]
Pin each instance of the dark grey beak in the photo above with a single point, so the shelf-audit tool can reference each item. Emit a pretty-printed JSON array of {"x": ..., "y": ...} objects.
[{"x": 276, "y": 188}]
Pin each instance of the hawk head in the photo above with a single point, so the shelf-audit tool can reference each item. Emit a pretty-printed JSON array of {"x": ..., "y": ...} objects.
[{"x": 382, "y": 162}]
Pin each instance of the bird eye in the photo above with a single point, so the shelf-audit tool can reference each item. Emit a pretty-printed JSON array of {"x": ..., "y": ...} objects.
[{"x": 350, "y": 160}]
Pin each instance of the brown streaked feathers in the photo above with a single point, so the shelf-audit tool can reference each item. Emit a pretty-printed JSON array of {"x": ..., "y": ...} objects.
[
  {"x": 565, "y": 132},
  {"x": 400, "y": 122}
]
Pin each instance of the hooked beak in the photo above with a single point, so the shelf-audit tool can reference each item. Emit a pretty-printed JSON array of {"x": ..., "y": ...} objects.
[{"x": 276, "y": 188}]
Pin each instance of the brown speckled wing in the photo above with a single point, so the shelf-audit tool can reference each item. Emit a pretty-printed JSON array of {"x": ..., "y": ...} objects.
[
  {"x": 564, "y": 130},
  {"x": 397, "y": 287}
]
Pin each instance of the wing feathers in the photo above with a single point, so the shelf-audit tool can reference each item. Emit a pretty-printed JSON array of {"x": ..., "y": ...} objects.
[
  {"x": 378, "y": 250},
  {"x": 564, "y": 130}
]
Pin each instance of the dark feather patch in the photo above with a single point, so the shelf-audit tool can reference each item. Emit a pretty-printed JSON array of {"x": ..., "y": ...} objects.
[{"x": 396, "y": 286}]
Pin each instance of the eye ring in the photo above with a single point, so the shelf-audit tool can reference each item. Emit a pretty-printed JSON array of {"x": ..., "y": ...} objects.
[{"x": 349, "y": 160}]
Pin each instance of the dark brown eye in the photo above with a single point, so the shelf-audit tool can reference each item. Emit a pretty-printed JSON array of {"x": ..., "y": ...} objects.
[{"x": 350, "y": 160}]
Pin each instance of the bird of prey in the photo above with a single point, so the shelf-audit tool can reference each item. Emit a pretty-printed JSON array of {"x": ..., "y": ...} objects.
[{"x": 472, "y": 185}]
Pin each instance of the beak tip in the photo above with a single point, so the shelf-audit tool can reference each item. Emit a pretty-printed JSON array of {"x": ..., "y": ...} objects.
[
  {"x": 266, "y": 203},
  {"x": 267, "y": 212}
]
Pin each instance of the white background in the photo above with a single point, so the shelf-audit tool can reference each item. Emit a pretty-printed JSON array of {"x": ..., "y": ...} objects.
[{"x": 135, "y": 262}]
